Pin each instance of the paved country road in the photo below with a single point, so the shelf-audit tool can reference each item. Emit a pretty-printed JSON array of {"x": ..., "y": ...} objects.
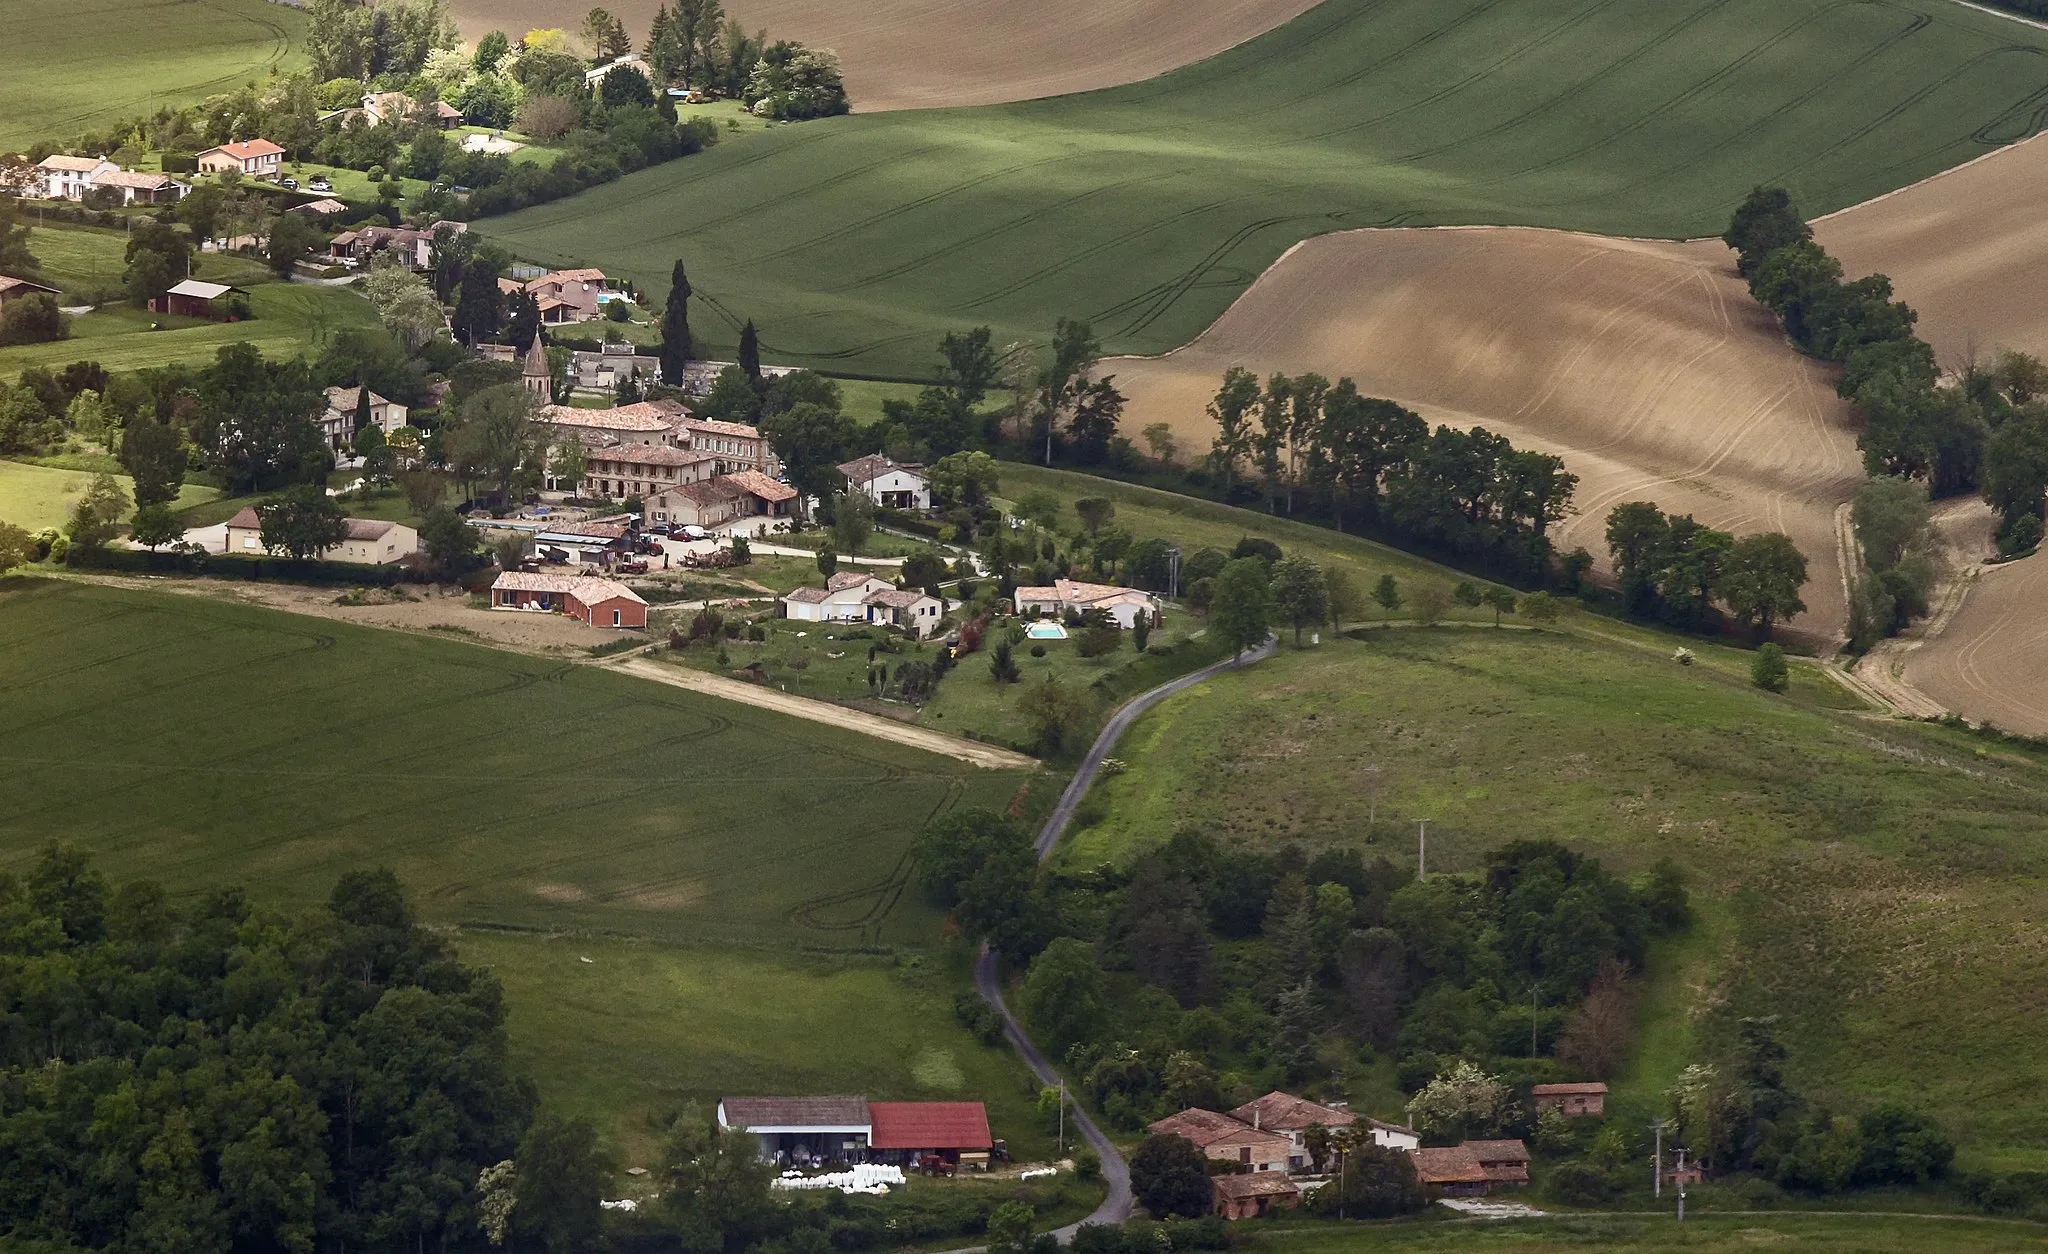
[{"x": 1117, "y": 1206}]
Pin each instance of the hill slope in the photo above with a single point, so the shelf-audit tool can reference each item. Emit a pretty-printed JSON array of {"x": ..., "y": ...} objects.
[
  {"x": 1148, "y": 208},
  {"x": 1879, "y": 885}
]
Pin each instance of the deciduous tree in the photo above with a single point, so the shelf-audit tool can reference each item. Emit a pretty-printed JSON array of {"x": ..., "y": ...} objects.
[
  {"x": 1299, "y": 593},
  {"x": 302, "y": 521},
  {"x": 1241, "y": 605}
]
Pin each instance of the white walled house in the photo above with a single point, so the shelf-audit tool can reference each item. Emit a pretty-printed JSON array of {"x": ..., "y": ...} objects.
[
  {"x": 251, "y": 158},
  {"x": 369, "y": 541},
  {"x": 59, "y": 177},
  {"x": 338, "y": 421},
  {"x": 888, "y": 484},
  {"x": 1122, "y": 604},
  {"x": 843, "y": 599}
]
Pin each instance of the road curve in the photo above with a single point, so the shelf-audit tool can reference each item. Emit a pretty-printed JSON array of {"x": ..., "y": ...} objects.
[{"x": 1117, "y": 1206}]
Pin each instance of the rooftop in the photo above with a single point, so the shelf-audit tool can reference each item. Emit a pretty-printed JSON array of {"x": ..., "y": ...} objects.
[
  {"x": 244, "y": 149},
  {"x": 1256, "y": 1184},
  {"x": 59, "y": 161},
  {"x": 585, "y": 588},
  {"x": 640, "y": 416},
  {"x": 929, "y": 1125},
  {"x": 794, "y": 1112},
  {"x": 713, "y": 426},
  {"x": 649, "y": 455},
  {"x": 1583, "y": 1088},
  {"x": 1206, "y": 1128},
  {"x": 1452, "y": 1164},
  {"x": 874, "y": 466},
  {"x": 202, "y": 290},
  {"x": 246, "y": 519},
  {"x": 1284, "y": 1112},
  {"x": 761, "y": 485}
]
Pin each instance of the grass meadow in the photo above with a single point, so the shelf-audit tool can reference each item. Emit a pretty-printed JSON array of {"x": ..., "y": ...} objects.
[
  {"x": 286, "y": 320},
  {"x": 1878, "y": 884},
  {"x": 724, "y": 867},
  {"x": 854, "y": 243},
  {"x": 34, "y": 497},
  {"x": 78, "y": 64}
]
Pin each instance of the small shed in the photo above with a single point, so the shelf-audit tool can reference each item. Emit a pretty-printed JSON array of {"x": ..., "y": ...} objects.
[
  {"x": 194, "y": 298},
  {"x": 1249, "y": 1196},
  {"x": 1589, "y": 1098},
  {"x": 13, "y": 289}
]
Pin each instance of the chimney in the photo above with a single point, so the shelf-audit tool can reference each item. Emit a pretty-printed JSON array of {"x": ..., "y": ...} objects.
[{"x": 1257, "y": 1111}]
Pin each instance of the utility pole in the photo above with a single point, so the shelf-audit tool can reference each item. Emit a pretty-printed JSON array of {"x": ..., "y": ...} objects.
[
  {"x": 1534, "y": 988},
  {"x": 1372, "y": 797},
  {"x": 1681, "y": 1184},
  {"x": 1657, "y": 1172},
  {"x": 1421, "y": 850},
  {"x": 1063, "y": 1116}
]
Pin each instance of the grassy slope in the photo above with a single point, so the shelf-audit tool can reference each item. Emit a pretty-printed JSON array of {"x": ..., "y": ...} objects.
[
  {"x": 35, "y": 497},
  {"x": 698, "y": 845},
  {"x": 1878, "y": 884},
  {"x": 1147, "y": 208},
  {"x": 77, "y": 64},
  {"x": 80, "y": 260},
  {"x": 288, "y": 320}
]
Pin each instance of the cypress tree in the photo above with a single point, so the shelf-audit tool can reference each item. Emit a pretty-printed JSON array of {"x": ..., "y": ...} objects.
[
  {"x": 362, "y": 405},
  {"x": 750, "y": 353},
  {"x": 675, "y": 327}
]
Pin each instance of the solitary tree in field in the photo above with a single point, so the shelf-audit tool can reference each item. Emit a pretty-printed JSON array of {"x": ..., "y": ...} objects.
[
  {"x": 153, "y": 454},
  {"x": 1761, "y": 580},
  {"x": 1502, "y": 600},
  {"x": 1299, "y": 593},
  {"x": 1388, "y": 594},
  {"x": 675, "y": 327}
]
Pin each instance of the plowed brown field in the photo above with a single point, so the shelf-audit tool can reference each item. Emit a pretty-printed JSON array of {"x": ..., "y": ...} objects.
[
  {"x": 1990, "y": 661},
  {"x": 917, "y": 54},
  {"x": 1644, "y": 364},
  {"x": 1968, "y": 249}
]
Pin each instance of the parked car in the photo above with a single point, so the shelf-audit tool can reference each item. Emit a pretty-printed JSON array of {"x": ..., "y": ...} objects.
[
  {"x": 320, "y": 183},
  {"x": 691, "y": 531},
  {"x": 290, "y": 185}
]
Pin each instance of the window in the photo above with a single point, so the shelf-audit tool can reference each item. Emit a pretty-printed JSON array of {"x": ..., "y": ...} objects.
[{"x": 615, "y": 618}]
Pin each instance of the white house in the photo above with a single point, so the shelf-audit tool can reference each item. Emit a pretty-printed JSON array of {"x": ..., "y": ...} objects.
[
  {"x": 142, "y": 186},
  {"x": 338, "y": 421},
  {"x": 592, "y": 78},
  {"x": 858, "y": 597},
  {"x": 369, "y": 541},
  {"x": 253, "y": 158},
  {"x": 59, "y": 177},
  {"x": 887, "y": 483},
  {"x": 1122, "y": 604},
  {"x": 1293, "y": 1116}
]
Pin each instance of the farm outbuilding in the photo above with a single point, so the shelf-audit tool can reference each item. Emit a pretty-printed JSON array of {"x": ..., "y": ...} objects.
[
  {"x": 193, "y": 299},
  {"x": 801, "y": 1130},
  {"x": 1249, "y": 1196},
  {"x": 908, "y": 1132},
  {"x": 1589, "y": 1098},
  {"x": 598, "y": 602}
]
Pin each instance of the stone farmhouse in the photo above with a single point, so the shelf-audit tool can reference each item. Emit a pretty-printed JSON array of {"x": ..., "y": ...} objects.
[{"x": 887, "y": 483}]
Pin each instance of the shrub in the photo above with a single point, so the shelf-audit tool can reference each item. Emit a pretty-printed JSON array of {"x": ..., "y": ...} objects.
[
  {"x": 1769, "y": 671},
  {"x": 1578, "y": 1183},
  {"x": 1037, "y": 650}
]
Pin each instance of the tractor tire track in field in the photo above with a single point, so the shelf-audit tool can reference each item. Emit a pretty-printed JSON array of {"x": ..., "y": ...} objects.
[{"x": 987, "y": 975}]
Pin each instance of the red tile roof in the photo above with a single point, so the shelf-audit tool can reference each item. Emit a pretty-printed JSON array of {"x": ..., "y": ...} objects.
[
  {"x": 929, "y": 1125},
  {"x": 1453, "y": 1164},
  {"x": 1284, "y": 1112},
  {"x": 1255, "y": 1184},
  {"x": 1587, "y": 1088}
]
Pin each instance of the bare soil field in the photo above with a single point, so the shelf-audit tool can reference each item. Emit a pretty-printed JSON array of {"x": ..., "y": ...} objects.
[
  {"x": 1644, "y": 364},
  {"x": 1968, "y": 249},
  {"x": 922, "y": 54}
]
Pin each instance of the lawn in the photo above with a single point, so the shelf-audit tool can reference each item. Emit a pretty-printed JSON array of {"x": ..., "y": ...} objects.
[
  {"x": 855, "y": 243},
  {"x": 83, "y": 261},
  {"x": 1590, "y": 1234},
  {"x": 288, "y": 320},
  {"x": 687, "y": 843},
  {"x": 34, "y": 497},
  {"x": 1878, "y": 884},
  {"x": 79, "y": 64}
]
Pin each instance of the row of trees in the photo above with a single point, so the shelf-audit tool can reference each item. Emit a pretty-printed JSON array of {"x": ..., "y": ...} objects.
[
  {"x": 1675, "y": 568},
  {"x": 1978, "y": 428}
]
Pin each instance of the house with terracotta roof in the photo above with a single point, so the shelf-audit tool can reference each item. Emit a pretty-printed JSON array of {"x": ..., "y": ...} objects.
[
  {"x": 807, "y": 1130},
  {"x": 1293, "y": 1116},
  {"x": 1067, "y": 595},
  {"x": 1586, "y": 1098},
  {"x": 1225, "y": 1139},
  {"x": 598, "y": 602},
  {"x": 1472, "y": 1168},
  {"x": 611, "y": 365},
  {"x": 645, "y": 422},
  {"x": 569, "y": 295},
  {"x": 736, "y": 445},
  {"x": 251, "y": 158},
  {"x": 1249, "y": 1196},
  {"x": 888, "y": 484},
  {"x": 369, "y": 541},
  {"x": 641, "y": 470},
  {"x": 143, "y": 187}
]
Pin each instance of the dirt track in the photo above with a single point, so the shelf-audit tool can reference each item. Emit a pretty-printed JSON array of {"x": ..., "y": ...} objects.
[
  {"x": 919, "y": 54},
  {"x": 875, "y": 725},
  {"x": 1644, "y": 364}
]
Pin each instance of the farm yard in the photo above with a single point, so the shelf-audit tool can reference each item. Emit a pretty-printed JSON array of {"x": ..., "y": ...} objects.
[
  {"x": 141, "y": 53},
  {"x": 854, "y": 243},
  {"x": 1875, "y": 884},
  {"x": 1645, "y": 365},
  {"x": 518, "y": 799}
]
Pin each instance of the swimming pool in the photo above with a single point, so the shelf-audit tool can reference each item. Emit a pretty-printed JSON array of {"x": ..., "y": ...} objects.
[{"x": 1046, "y": 631}]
